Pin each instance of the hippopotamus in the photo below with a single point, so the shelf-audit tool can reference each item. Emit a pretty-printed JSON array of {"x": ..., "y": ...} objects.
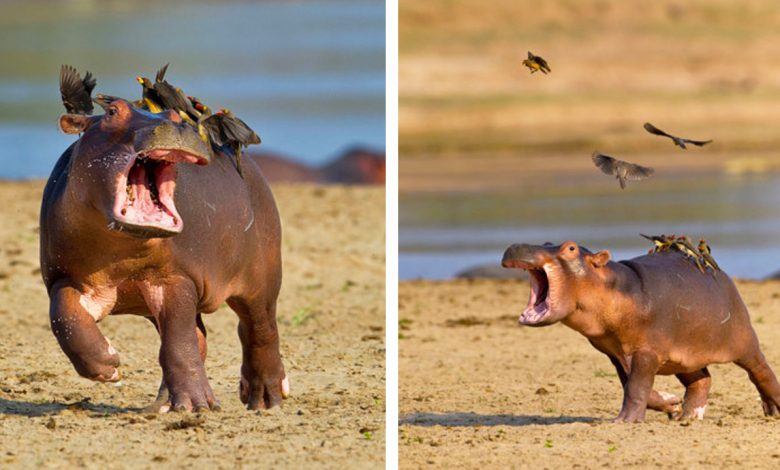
[
  {"x": 140, "y": 217},
  {"x": 355, "y": 166},
  {"x": 654, "y": 314}
]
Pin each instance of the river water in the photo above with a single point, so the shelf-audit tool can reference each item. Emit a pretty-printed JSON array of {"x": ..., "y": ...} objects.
[
  {"x": 308, "y": 76},
  {"x": 442, "y": 234}
]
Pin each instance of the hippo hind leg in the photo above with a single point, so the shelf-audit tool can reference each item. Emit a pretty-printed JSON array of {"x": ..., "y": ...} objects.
[
  {"x": 764, "y": 379},
  {"x": 162, "y": 403},
  {"x": 697, "y": 388},
  {"x": 263, "y": 380},
  {"x": 76, "y": 330}
]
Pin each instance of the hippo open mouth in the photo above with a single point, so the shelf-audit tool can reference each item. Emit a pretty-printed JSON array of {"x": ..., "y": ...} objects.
[
  {"x": 539, "y": 302},
  {"x": 144, "y": 192}
]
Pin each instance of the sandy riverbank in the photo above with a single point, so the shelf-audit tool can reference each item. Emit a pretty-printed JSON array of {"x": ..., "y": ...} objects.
[{"x": 331, "y": 321}]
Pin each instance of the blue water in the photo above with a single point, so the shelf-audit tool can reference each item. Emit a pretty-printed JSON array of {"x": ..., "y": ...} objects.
[
  {"x": 441, "y": 235},
  {"x": 308, "y": 76}
]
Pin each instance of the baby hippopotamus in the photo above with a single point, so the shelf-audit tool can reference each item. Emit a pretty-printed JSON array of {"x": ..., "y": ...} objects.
[
  {"x": 137, "y": 217},
  {"x": 655, "y": 314}
]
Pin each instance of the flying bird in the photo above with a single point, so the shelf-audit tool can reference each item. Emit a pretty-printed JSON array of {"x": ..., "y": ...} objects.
[
  {"x": 623, "y": 171},
  {"x": 536, "y": 63},
  {"x": 678, "y": 141},
  {"x": 76, "y": 93}
]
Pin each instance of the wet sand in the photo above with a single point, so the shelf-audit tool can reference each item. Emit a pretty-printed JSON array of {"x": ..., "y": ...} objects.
[
  {"x": 331, "y": 322},
  {"x": 478, "y": 391}
]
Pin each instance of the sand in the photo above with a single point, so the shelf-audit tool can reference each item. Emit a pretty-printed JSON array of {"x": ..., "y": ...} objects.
[
  {"x": 478, "y": 391},
  {"x": 332, "y": 329}
]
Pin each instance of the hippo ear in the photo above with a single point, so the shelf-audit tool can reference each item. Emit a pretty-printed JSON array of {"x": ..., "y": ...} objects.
[
  {"x": 74, "y": 123},
  {"x": 600, "y": 259}
]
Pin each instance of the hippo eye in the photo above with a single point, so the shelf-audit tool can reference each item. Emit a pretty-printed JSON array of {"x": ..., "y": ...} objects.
[
  {"x": 112, "y": 111},
  {"x": 571, "y": 248}
]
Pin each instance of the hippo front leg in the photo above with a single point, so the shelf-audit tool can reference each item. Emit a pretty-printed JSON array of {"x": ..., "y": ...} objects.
[
  {"x": 79, "y": 337},
  {"x": 162, "y": 403},
  {"x": 184, "y": 373},
  {"x": 638, "y": 387}
]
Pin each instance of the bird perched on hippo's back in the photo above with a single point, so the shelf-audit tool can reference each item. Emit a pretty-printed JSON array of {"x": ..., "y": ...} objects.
[
  {"x": 706, "y": 255},
  {"x": 224, "y": 128}
]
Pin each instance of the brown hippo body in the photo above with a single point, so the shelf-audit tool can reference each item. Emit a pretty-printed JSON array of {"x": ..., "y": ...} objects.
[
  {"x": 115, "y": 240},
  {"x": 655, "y": 314}
]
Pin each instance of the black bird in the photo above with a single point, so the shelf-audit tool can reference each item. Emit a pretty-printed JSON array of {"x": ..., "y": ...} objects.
[
  {"x": 623, "y": 171},
  {"x": 173, "y": 98},
  {"x": 224, "y": 128},
  {"x": 150, "y": 98},
  {"x": 76, "y": 93},
  {"x": 678, "y": 141}
]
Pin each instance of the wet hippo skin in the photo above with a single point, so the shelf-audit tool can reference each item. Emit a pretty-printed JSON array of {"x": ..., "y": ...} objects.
[
  {"x": 655, "y": 314},
  {"x": 140, "y": 217}
]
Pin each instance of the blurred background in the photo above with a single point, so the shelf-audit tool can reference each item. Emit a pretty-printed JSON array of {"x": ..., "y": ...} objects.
[
  {"x": 308, "y": 76},
  {"x": 491, "y": 155}
]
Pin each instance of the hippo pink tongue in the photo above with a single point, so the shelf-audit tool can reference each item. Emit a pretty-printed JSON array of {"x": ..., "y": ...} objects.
[{"x": 148, "y": 198}]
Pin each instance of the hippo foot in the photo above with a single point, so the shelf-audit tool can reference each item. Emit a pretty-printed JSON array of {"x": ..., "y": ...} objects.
[
  {"x": 100, "y": 366},
  {"x": 691, "y": 413},
  {"x": 164, "y": 404},
  {"x": 771, "y": 408},
  {"x": 194, "y": 396},
  {"x": 630, "y": 416},
  {"x": 263, "y": 392}
]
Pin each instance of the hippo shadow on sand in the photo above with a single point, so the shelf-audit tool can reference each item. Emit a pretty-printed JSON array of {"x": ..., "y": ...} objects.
[
  {"x": 30, "y": 409},
  {"x": 468, "y": 419}
]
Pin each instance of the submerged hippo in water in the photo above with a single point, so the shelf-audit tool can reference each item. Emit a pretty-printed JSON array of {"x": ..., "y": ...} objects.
[
  {"x": 137, "y": 218},
  {"x": 655, "y": 314}
]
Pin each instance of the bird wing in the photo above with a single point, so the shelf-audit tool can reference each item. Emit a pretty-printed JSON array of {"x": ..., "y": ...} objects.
[
  {"x": 171, "y": 97},
  {"x": 75, "y": 97},
  {"x": 654, "y": 130},
  {"x": 636, "y": 172},
  {"x": 236, "y": 129},
  {"x": 698, "y": 143},
  {"x": 605, "y": 163},
  {"x": 530, "y": 56},
  {"x": 543, "y": 64},
  {"x": 89, "y": 82},
  {"x": 161, "y": 74},
  {"x": 213, "y": 125}
]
